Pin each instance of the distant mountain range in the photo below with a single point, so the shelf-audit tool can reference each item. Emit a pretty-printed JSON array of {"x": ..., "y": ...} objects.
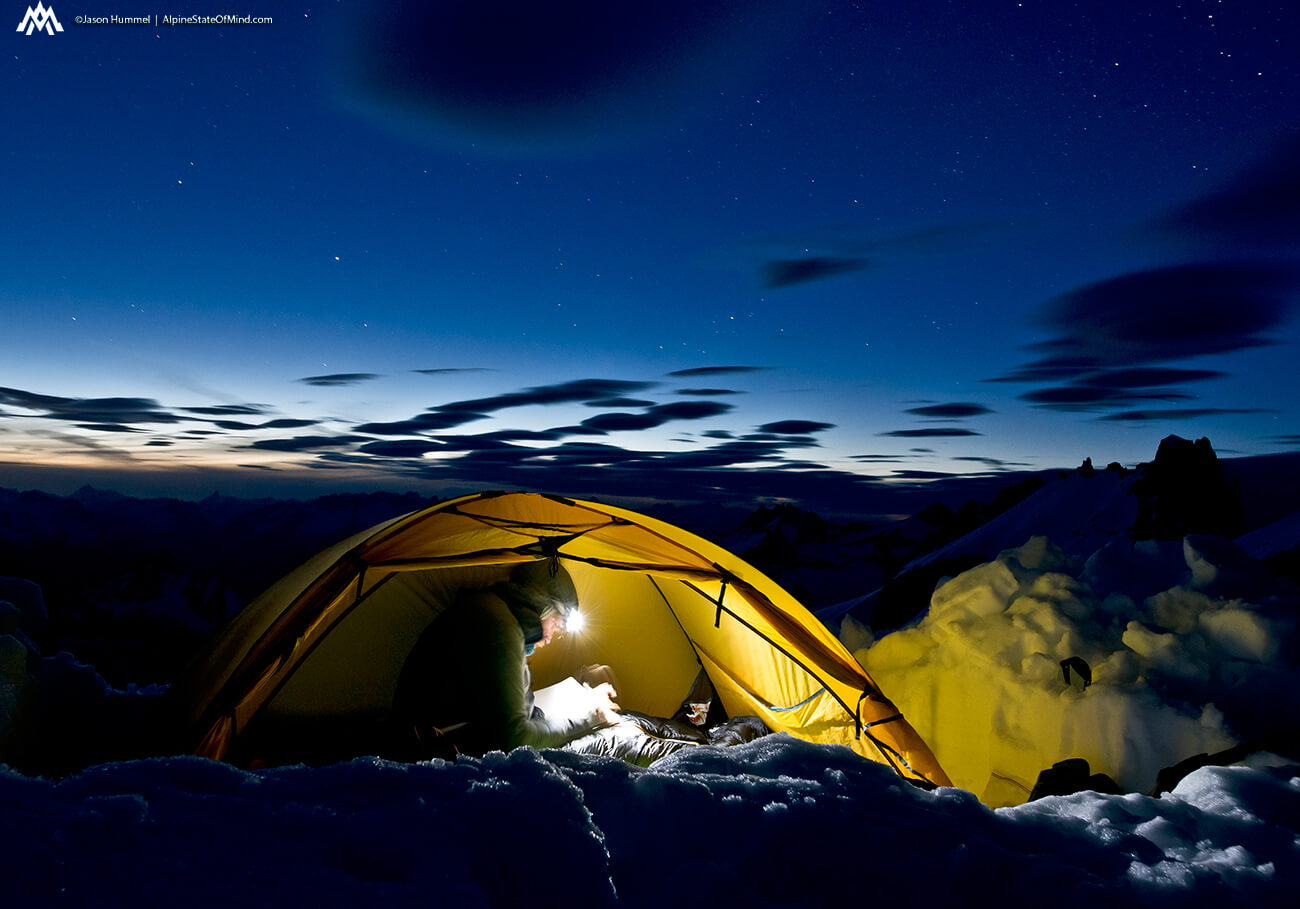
[{"x": 132, "y": 586}]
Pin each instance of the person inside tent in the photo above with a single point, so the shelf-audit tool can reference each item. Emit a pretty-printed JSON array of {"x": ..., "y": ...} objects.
[{"x": 466, "y": 683}]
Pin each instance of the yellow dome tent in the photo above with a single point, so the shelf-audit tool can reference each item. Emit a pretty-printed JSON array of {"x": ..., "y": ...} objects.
[{"x": 322, "y": 648}]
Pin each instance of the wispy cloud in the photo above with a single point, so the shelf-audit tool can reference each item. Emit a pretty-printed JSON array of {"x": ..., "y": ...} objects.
[
  {"x": 656, "y": 416},
  {"x": 795, "y": 427},
  {"x": 936, "y": 432},
  {"x": 90, "y": 410},
  {"x": 955, "y": 411},
  {"x": 1168, "y": 414},
  {"x": 992, "y": 463},
  {"x": 420, "y": 423},
  {"x": 575, "y": 392},
  {"x": 1170, "y": 313},
  {"x": 786, "y": 272},
  {"x": 281, "y": 423},
  {"x": 229, "y": 410},
  {"x": 697, "y": 371},
  {"x": 1084, "y": 397},
  {"x": 306, "y": 443},
  {"x": 1115, "y": 338},
  {"x": 1258, "y": 207},
  {"x": 339, "y": 378}
]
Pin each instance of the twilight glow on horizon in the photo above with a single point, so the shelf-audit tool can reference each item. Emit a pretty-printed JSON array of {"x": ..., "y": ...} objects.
[{"x": 730, "y": 253}]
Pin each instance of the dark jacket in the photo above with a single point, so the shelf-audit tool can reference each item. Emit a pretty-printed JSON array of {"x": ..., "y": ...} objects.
[{"x": 469, "y": 666}]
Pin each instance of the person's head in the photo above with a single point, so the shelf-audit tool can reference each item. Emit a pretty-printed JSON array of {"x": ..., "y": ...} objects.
[{"x": 545, "y": 588}]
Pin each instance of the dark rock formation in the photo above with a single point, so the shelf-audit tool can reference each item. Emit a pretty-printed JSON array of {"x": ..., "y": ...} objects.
[{"x": 1184, "y": 490}]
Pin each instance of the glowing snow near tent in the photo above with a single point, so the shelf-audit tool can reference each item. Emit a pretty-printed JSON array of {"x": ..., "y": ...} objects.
[{"x": 1181, "y": 663}]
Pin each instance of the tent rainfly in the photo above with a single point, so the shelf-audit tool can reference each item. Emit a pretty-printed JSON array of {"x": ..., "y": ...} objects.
[{"x": 322, "y": 648}]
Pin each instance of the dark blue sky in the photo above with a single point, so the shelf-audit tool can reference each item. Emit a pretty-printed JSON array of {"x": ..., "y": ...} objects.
[{"x": 655, "y": 252}]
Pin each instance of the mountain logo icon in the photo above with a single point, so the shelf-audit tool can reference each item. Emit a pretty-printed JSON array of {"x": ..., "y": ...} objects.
[{"x": 39, "y": 19}]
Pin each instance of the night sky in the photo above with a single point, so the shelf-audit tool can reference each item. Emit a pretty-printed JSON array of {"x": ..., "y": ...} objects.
[{"x": 645, "y": 250}]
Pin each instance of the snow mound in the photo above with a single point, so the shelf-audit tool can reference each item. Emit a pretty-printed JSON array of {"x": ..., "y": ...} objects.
[
  {"x": 58, "y": 714},
  {"x": 1275, "y": 539},
  {"x": 1176, "y": 661},
  {"x": 777, "y": 822},
  {"x": 187, "y": 831},
  {"x": 1222, "y": 829}
]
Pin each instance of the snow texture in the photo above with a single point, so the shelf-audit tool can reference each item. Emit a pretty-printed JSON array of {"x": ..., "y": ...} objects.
[{"x": 777, "y": 822}]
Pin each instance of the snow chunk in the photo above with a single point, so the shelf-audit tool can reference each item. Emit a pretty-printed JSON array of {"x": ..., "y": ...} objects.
[
  {"x": 981, "y": 591},
  {"x": 1241, "y": 632}
]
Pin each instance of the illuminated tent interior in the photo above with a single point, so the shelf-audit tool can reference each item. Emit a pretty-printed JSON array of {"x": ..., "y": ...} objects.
[{"x": 322, "y": 648}]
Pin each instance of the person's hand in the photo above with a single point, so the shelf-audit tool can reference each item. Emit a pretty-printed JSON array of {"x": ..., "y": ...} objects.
[
  {"x": 603, "y": 695},
  {"x": 608, "y": 715},
  {"x": 605, "y": 692}
]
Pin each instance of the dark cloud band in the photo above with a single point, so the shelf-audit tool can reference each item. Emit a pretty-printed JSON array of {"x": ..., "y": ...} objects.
[
  {"x": 794, "y": 427},
  {"x": 937, "y": 432},
  {"x": 949, "y": 411},
  {"x": 787, "y": 272},
  {"x": 339, "y": 378},
  {"x": 576, "y": 392}
]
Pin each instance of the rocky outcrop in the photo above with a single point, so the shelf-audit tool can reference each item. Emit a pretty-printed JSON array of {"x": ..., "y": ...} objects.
[{"x": 1185, "y": 491}]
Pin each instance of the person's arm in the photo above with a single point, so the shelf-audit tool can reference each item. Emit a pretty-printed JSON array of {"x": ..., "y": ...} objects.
[
  {"x": 541, "y": 731},
  {"x": 506, "y": 668}
]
